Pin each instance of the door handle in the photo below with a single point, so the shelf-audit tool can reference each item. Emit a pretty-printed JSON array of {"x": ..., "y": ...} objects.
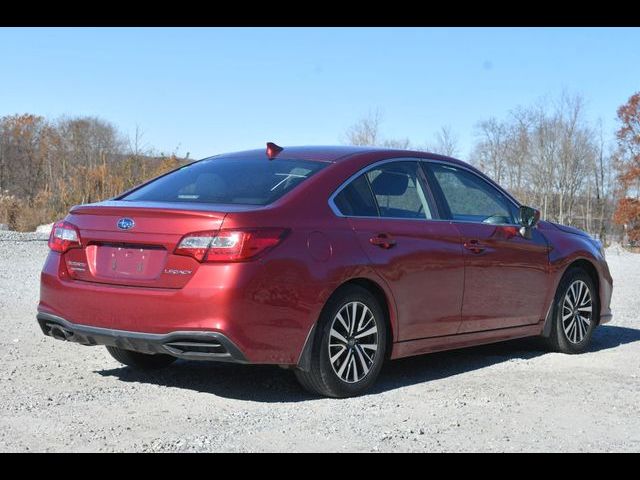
[
  {"x": 382, "y": 240},
  {"x": 474, "y": 246}
]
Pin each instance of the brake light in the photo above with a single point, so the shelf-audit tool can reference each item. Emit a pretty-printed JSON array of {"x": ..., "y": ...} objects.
[
  {"x": 229, "y": 245},
  {"x": 64, "y": 236}
]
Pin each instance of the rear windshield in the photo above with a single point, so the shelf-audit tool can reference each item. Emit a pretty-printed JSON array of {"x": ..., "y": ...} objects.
[{"x": 228, "y": 180}]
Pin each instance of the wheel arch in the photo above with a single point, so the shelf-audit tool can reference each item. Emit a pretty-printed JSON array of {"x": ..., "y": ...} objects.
[
  {"x": 587, "y": 266},
  {"x": 386, "y": 303}
]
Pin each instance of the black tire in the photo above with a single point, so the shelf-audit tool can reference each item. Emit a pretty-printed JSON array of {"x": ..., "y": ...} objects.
[
  {"x": 142, "y": 361},
  {"x": 321, "y": 378},
  {"x": 559, "y": 340}
]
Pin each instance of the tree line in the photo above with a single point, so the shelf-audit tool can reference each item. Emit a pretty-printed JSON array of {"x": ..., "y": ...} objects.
[
  {"x": 548, "y": 155},
  {"x": 551, "y": 156},
  {"x": 47, "y": 166}
]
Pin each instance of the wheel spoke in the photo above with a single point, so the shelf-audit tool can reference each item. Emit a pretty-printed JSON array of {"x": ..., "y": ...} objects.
[
  {"x": 366, "y": 324},
  {"x": 580, "y": 293},
  {"x": 366, "y": 333},
  {"x": 369, "y": 359},
  {"x": 586, "y": 302},
  {"x": 567, "y": 302},
  {"x": 585, "y": 309},
  {"x": 342, "y": 321},
  {"x": 338, "y": 336},
  {"x": 586, "y": 299},
  {"x": 365, "y": 310},
  {"x": 363, "y": 362},
  {"x": 343, "y": 349},
  {"x": 567, "y": 329},
  {"x": 353, "y": 317},
  {"x": 344, "y": 364},
  {"x": 349, "y": 368},
  {"x": 578, "y": 330},
  {"x": 354, "y": 369},
  {"x": 349, "y": 319},
  {"x": 582, "y": 329},
  {"x": 571, "y": 295}
]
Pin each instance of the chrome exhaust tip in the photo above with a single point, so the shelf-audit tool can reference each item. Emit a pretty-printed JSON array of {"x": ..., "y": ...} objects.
[{"x": 59, "y": 333}]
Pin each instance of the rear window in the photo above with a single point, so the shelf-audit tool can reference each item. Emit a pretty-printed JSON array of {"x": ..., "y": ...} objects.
[{"x": 228, "y": 180}]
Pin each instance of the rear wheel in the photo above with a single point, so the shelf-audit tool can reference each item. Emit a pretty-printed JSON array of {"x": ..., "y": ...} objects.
[
  {"x": 575, "y": 313},
  {"x": 349, "y": 345},
  {"x": 142, "y": 361}
]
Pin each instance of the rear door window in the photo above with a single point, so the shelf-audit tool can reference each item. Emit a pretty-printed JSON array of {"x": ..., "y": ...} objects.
[
  {"x": 398, "y": 191},
  {"x": 392, "y": 190}
]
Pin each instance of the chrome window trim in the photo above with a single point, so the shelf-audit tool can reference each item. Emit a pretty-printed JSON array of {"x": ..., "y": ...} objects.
[{"x": 364, "y": 170}]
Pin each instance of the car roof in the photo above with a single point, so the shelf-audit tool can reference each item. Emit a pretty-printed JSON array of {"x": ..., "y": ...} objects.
[
  {"x": 312, "y": 153},
  {"x": 334, "y": 153}
]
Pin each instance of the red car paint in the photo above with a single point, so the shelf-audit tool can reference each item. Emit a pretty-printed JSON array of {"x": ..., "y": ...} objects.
[{"x": 447, "y": 284}]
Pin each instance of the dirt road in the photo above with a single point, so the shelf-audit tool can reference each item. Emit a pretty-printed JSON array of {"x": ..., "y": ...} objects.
[{"x": 56, "y": 396}]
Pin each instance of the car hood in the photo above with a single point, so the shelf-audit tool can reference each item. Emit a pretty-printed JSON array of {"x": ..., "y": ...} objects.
[{"x": 568, "y": 229}]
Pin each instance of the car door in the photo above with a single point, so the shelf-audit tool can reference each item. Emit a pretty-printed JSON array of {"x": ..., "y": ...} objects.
[
  {"x": 505, "y": 274},
  {"x": 393, "y": 215}
]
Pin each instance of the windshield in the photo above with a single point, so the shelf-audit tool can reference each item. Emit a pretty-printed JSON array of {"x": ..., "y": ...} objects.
[{"x": 228, "y": 180}]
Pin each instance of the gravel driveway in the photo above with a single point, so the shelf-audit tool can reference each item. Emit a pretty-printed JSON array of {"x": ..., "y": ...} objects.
[{"x": 56, "y": 396}]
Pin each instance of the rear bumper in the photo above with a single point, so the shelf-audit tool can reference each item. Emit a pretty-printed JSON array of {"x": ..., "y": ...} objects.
[
  {"x": 190, "y": 345},
  {"x": 265, "y": 309}
]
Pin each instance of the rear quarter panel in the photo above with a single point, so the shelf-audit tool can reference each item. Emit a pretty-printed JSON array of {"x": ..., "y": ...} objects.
[{"x": 287, "y": 293}]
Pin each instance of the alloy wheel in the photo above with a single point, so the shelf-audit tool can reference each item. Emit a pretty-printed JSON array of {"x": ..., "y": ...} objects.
[
  {"x": 577, "y": 311},
  {"x": 353, "y": 342}
]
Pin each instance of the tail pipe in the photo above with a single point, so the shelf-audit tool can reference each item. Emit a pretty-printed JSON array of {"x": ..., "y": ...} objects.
[{"x": 58, "y": 332}]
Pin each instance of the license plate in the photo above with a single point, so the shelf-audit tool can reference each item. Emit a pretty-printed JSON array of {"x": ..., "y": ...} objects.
[{"x": 128, "y": 262}]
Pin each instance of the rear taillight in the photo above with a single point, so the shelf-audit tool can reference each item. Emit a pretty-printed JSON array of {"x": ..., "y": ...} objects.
[
  {"x": 64, "y": 236},
  {"x": 229, "y": 245}
]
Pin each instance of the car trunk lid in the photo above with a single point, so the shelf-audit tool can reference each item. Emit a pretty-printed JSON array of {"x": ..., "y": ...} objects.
[{"x": 132, "y": 244}]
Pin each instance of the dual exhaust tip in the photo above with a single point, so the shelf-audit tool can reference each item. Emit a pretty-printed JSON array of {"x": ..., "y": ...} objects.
[{"x": 176, "y": 348}]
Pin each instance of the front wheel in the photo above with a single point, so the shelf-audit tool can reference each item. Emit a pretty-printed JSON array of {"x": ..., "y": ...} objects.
[
  {"x": 349, "y": 345},
  {"x": 575, "y": 313}
]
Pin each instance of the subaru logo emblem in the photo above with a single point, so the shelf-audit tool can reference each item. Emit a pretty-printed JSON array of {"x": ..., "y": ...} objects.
[{"x": 125, "y": 223}]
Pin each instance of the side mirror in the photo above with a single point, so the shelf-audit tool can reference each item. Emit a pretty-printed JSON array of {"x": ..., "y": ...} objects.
[{"x": 529, "y": 218}]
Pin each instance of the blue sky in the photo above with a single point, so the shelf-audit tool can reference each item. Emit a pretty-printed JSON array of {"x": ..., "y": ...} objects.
[{"x": 212, "y": 90}]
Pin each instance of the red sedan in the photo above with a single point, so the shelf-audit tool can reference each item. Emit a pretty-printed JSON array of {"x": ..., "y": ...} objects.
[{"x": 326, "y": 260}]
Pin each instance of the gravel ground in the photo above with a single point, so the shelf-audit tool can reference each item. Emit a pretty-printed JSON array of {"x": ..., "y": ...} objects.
[{"x": 56, "y": 396}]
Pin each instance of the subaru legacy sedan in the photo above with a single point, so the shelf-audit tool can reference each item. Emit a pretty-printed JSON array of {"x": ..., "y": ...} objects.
[{"x": 325, "y": 260}]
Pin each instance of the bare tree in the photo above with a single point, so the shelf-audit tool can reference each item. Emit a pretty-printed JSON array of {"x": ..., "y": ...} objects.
[
  {"x": 397, "y": 143},
  {"x": 546, "y": 155},
  {"x": 446, "y": 143},
  {"x": 366, "y": 132},
  {"x": 490, "y": 152}
]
